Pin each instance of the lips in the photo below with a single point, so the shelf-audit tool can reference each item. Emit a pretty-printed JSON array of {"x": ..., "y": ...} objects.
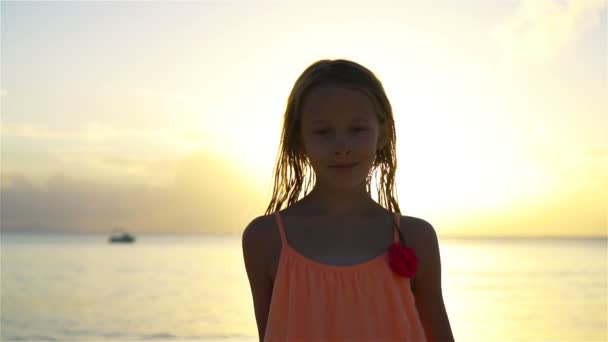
[{"x": 343, "y": 166}]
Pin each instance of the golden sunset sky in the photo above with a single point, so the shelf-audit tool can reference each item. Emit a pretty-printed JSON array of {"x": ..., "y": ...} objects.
[{"x": 166, "y": 116}]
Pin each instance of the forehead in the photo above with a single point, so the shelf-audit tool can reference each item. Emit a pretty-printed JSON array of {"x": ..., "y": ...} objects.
[{"x": 334, "y": 103}]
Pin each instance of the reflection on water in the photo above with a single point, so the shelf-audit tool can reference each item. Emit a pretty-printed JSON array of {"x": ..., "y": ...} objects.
[
  {"x": 526, "y": 289},
  {"x": 194, "y": 288}
]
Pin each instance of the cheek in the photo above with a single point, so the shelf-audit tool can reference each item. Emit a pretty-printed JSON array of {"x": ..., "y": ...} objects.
[
  {"x": 315, "y": 146},
  {"x": 367, "y": 141},
  {"x": 365, "y": 145}
]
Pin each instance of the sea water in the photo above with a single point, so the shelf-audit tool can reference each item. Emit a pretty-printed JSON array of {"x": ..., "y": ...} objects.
[{"x": 62, "y": 287}]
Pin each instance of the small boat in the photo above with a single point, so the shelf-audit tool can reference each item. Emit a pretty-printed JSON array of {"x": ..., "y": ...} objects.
[{"x": 122, "y": 238}]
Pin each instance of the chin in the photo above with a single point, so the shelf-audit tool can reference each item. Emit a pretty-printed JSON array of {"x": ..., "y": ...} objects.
[{"x": 343, "y": 183}]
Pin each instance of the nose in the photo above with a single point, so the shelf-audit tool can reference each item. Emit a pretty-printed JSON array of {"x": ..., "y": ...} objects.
[{"x": 342, "y": 147}]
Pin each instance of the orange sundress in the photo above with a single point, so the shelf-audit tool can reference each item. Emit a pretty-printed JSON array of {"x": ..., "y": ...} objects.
[{"x": 312, "y": 301}]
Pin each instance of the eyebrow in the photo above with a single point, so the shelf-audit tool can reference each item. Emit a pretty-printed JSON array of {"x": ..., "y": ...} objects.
[{"x": 357, "y": 119}]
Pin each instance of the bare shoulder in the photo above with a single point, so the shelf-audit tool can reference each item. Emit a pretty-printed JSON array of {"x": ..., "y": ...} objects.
[
  {"x": 426, "y": 284},
  {"x": 261, "y": 242},
  {"x": 261, "y": 232},
  {"x": 259, "y": 229},
  {"x": 421, "y": 235},
  {"x": 417, "y": 230}
]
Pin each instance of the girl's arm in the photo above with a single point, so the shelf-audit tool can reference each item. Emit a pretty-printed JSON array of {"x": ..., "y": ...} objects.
[
  {"x": 257, "y": 260},
  {"x": 427, "y": 287}
]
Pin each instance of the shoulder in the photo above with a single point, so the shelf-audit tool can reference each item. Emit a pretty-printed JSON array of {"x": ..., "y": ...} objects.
[
  {"x": 420, "y": 235},
  {"x": 426, "y": 284},
  {"x": 259, "y": 228},
  {"x": 261, "y": 232},
  {"x": 261, "y": 241},
  {"x": 416, "y": 229},
  {"x": 259, "y": 252}
]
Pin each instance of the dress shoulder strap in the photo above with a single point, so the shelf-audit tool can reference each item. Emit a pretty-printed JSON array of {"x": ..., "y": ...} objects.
[
  {"x": 396, "y": 224},
  {"x": 281, "y": 228}
]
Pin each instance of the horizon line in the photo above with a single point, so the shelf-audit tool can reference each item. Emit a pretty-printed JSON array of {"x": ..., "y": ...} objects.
[{"x": 216, "y": 233}]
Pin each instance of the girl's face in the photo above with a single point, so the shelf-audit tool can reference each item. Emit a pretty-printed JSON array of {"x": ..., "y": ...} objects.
[{"x": 339, "y": 126}]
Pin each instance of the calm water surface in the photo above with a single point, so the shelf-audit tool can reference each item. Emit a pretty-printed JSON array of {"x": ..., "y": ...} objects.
[{"x": 186, "y": 288}]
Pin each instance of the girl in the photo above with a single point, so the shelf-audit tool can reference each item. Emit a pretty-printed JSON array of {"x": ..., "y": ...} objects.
[{"x": 334, "y": 264}]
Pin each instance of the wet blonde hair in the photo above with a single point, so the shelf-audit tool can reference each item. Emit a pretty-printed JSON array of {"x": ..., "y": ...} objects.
[{"x": 293, "y": 174}]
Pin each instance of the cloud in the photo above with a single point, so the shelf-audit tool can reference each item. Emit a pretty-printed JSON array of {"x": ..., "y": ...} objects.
[
  {"x": 36, "y": 132},
  {"x": 94, "y": 132},
  {"x": 539, "y": 29},
  {"x": 211, "y": 194},
  {"x": 161, "y": 93},
  {"x": 98, "y": 151},
  {"x": 208, "y": 194}
]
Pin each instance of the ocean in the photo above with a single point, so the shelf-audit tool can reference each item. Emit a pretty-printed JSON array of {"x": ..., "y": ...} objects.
[{"x": 61, "y": 287}]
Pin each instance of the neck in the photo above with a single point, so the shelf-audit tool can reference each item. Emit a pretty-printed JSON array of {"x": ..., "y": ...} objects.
[{"x": 340, "y": 203}]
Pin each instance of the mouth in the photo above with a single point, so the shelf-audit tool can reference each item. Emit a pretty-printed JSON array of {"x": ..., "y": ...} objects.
[{"x": 343, "y": 166}]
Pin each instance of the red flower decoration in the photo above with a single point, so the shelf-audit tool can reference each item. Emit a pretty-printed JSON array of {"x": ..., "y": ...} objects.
[{"x": 403, "y": 260}]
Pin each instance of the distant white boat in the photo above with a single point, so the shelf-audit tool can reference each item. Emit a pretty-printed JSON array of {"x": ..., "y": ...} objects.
[{"x": 122, "y": 238}]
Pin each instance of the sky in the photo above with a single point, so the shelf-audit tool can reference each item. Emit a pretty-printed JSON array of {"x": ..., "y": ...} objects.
[{"x": 166, "y": 116}]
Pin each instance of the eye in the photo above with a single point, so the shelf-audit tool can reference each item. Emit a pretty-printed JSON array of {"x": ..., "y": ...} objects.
[{"x": 327, "y": 131}]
